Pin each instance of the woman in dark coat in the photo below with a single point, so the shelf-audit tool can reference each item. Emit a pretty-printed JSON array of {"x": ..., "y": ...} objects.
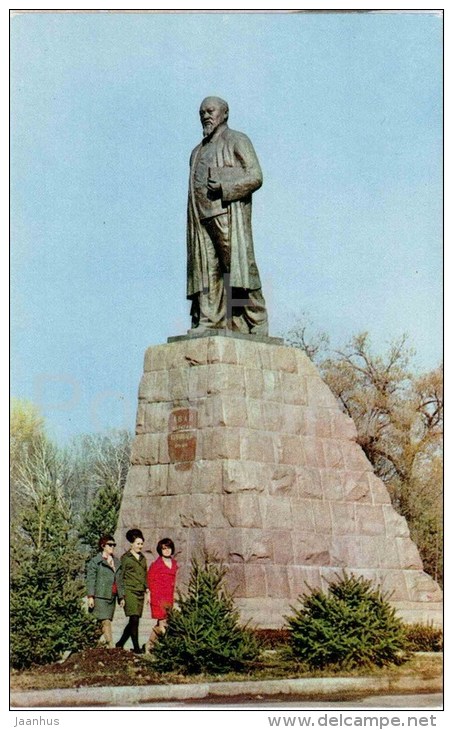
[
  {"x": 134, "y": 568},
  {"x": 161, "y": 583},
  {"x": 105, "y": 585}
]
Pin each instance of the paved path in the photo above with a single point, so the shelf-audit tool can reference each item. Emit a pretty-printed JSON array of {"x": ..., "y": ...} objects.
[{"x": 279, "y": 692}]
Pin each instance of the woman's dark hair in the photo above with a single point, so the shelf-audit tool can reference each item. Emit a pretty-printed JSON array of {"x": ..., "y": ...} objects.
[
  {"x": 105, "y": 539},
  {"x": 165, "y": 542},
  {"x": 132, "y": 535}
]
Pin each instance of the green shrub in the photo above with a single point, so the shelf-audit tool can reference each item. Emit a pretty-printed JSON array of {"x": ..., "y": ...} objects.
[
  {"x": 203, "y": 633},
  {"x": 424, "y": 637},
  {"x": 351, "y": 625}
]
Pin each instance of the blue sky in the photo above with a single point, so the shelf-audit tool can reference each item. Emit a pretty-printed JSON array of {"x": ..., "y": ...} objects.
[{"x": 345, "y": 114}]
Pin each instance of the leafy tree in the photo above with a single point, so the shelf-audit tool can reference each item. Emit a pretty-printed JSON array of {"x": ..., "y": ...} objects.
[
  {"x": 350, "y": 625},
  {"x": 204, "y": 634},
  {"x": 47, "y": 614}
]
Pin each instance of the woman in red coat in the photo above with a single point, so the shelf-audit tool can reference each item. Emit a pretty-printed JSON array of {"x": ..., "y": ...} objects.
[{"x": 161, "y": 583}]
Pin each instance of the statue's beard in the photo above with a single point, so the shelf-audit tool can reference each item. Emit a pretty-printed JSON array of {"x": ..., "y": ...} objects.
[{"x": 207, "y": 128}]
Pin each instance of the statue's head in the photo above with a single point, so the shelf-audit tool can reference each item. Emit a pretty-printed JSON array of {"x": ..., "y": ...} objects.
[{"x": 213, "y": 112}]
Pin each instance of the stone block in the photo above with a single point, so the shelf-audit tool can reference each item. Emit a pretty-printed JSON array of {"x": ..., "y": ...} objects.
[
  {"x": 303, "y": 516},
  {"x": 378, "y": 490},
  {"x": 283, "y": 359},
  {"x": 343, "y": 518},
  {"x": 369, "y": 552},
  {"x": 305, "y": 366},
  {"x": 272, "y": 418},
  {"x": 242, "y": 510},
  {"x": 311, "y": 549},
  {"x": 156, "y": 417},
  {"x": 272, "y": 389},
  {"x": 395, "y": 524},
  {"x": 179, "y": 480},
  {"x": 140, "y": 418},
  {"x": 318, "y": 394},
  {"x": 421, "y": 587},
  {"x": 264, "y": 356},
  {"x": 165, "y": 510},
  {"x": 409, "y": 558},
  {"x": 282, "y": 547},
  {"x": 393, "y": 585},
  {"x": 197, "y": 378},
  {"x": 289, "y": 449},
  {"x": 233, "y": 411},
  {"x": 277, "y": 581},
  {"x": 332, "y": 484},
  {"x": 318, "y": 423},
  {"x": 255, "y": 581},
  {"x": 246, "y": 353},
  {"x": 155, "y": 358},
  {"x": 354, "y": 457},
  {"x": 244, "y": 476},
  {"x": 322, "y": 516},
  {"x": 222, "y": 410},
  {"x": 154, "y": 387},
  {"x": 145, "y": 449},
  {"x": 283, "y": 480},
  {"x": 255, "y": 417},
  {"x": 158, "y": 479},
  {"x": 333, "y": 456},
  {"x": 138, "y": 480},
  {"x": 309, "y": 483},
  {"x": 221, "y": 443},
  {"x": 132, "y": 515},
  {"x": 356, "y": 487},
  {"x": 225, "y": 378},
  {"x": 346, "y": 551},
  {"x": 314, "y": 452},
  {"x": 249, "y": 545},
  {"x": 235, "y": 579},
  {"x": 207, "y": 476},
  {"x": 172, "y": 357},
  {"x": 388, "y": 553},
  {"x": 257, "y": 446},
  {"x": 293, "y": 419},
  {"x": 196, "y": 352},
  {"x": 222, "y": 350},
  {"x": 254, "y": 383},
  {"x": 343, "y": 427},
  {"x": 178, "y": 383},
  {"x": 293, "y": 389},
  {"x": 276, "y": 511},
  {"x": 369, "y": 519},
  {"x": 203, "y": 510},
  {"x": 303, "y": 580}
]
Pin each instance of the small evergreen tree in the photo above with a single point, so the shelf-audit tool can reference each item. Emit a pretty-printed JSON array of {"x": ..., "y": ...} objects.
[
  {"x": 47, "y": 614},
  {"x": 204, "y": 634},
  {"x": 350, "y": 625}
]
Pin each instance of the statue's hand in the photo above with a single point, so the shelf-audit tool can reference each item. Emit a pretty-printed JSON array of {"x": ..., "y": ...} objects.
[{"x": 214, "y": 185}]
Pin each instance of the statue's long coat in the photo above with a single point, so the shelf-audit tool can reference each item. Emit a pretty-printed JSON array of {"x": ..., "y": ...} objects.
[{"x": 240, "y": 175}]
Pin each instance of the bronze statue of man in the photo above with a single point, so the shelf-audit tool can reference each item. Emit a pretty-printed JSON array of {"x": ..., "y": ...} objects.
[{"x": 223, "y": 282}]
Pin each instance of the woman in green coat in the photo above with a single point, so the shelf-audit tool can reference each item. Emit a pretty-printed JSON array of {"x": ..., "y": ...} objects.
[
  {"x": 105, "y": 585},
  {"x": 134, "y": 569}
]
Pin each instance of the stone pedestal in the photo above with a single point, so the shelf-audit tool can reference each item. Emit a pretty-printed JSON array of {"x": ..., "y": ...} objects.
[{"x": 242, "y": 450}]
